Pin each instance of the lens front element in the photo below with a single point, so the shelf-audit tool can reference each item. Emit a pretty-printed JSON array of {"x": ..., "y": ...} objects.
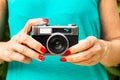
[{"x": 57, "y": 44}]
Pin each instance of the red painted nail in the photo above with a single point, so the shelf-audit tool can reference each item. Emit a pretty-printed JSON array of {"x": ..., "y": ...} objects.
[
  {"x": 67, "y": 52},
  {"x": 43, "y": 49},
  {"x": 63, "y": 60},
  {"x": 41, "y": 57},
  {"x": 45, "y": 20}
]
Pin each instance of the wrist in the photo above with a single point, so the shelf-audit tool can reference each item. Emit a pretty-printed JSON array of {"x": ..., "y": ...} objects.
[{"x": 107, "y": 49}]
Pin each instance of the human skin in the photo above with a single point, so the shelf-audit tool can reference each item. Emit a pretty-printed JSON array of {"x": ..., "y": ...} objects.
[
  {"x": 107, "y": 50},
  {"x": 89, "y": 51}
]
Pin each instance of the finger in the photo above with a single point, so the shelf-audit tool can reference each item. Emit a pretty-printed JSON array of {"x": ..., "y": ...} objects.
[
  {"x": 82, "y": 56},
  {"x": 92, "y": 61},
  {"x": 20, "y": 58},
  {"x": 7, "y": 59},
  {"x": 28, "y": 52},
  {"x": 85, "y": 63},
  {"x": 78, "y": 57},
  {"x": 33, "y": 22},
  {"x": 33, "y": 44},
  {"x": 82, "y": 45},
  {"x": 5, "y": 56}
]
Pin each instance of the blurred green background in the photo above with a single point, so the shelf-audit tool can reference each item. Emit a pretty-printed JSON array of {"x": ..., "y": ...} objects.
[
  {"x": 119, "y": 5},
  {"x": 114, "y": 72}
]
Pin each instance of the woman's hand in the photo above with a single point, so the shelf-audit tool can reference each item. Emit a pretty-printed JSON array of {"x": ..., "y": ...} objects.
[
  {"x": 22, "y": 47},
  {"x": 87, "y": 52}
]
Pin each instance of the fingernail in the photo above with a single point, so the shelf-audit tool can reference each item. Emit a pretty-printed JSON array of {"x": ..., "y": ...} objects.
[
  {"x": 67, "y": 52},
  {"x": 63, "y": 60},
  {"x": 43, "y": 49},
  {"x": 41, "y": 57},
  {"x": 45, "y": 20}
]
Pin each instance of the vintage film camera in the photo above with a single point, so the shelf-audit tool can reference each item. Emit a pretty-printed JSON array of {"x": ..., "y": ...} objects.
[{"x": 57, "y": 39}]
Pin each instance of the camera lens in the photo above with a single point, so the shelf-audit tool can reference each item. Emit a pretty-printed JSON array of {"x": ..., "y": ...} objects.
[{"x": 57, "y": 44}]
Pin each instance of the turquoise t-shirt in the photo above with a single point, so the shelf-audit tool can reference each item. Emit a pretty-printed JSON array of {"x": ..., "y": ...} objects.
[{"x": 83, "y": 13}]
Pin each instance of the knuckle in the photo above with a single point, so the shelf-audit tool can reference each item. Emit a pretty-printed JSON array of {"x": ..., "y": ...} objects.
[
  {"x": 29, "y": 53},
  {"x": 26, "y": 39},
  {"x": 23, "y": 38},
  {"x": 8, "y": 60},
  {"x": 86, "y": 56},
  {"x": 30, "y": 22},
  {"x": 92, "y": 39},
  {"x": 33, "y": 54},
  {"x": 24, "y": 50},
  {"x": 28, "y": 60},
  {"x": 71, "y": 59},
  {"x": 73, "y": 50},
  {"x": 16, "y": 38},
  {"x": 98, "y": 48},
  {"x": 11, "y": 46},
  {"x": 89, "y": 62},
  {"x": 22, "y": 58},
  {"x": 89, "y": 43}
]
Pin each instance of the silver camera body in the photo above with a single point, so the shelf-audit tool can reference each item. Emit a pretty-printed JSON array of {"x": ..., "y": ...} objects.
[{"x": 57, "y": 39}]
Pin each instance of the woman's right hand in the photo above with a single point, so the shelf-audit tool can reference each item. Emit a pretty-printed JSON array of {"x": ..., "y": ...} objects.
[{"x": 22, "y": 47}]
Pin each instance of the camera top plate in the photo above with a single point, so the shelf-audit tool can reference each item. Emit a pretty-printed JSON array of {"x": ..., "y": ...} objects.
[{"x": 47, "y": 29}]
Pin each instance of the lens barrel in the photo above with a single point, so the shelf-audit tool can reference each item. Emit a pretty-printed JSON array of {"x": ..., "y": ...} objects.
[{"x": 57, "y": 44}]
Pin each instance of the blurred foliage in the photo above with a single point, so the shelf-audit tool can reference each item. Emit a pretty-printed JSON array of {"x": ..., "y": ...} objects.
[
  {"x": 3, "y": 66},
  {"x": 3, "y": 70},
  {"x": 114, "y": 72},
  {"x": 119, "y": 5}
]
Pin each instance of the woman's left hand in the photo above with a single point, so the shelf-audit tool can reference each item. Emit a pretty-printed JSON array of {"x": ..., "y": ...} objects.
[{"x": 87, "y": 52}]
